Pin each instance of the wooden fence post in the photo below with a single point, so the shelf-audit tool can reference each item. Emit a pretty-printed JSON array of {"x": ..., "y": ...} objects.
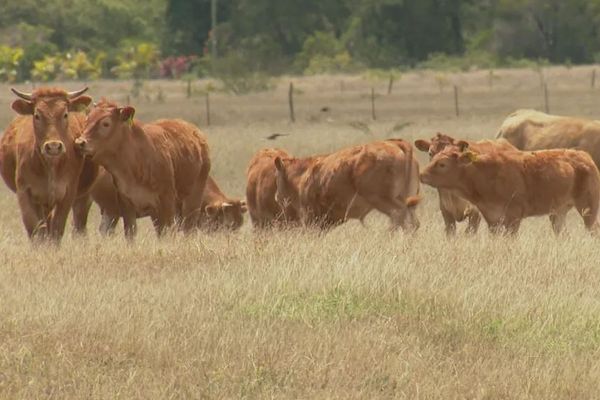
[
  {"x": 546, "y": 105},
  {"x": 207, "y": 108},
  {"x": 456, "y": 107},
  {"x": 390, "y": 84},
  {"x": 291, "y": 102},
  {"x": 373, "y": 115}
]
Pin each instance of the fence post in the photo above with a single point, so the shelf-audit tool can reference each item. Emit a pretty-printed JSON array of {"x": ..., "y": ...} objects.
[
  {"x": 207, "y": 108},
  {"x": 291, "y": 102},
  {"x": 456, "y": 107},
  {"x": 546, "y": 105},
  {"x": 390, "y": 84},
  {"x": 373, "y": 104}
]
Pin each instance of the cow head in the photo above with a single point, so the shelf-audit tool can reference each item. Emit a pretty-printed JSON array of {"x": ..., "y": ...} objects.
[
  {"x": 104, "y": 128},
  {"x": 446, "y": 169},
  {"x": 437, "y": 143},
  {"x": 227, "y": 215},
  {"x": 49, "y": 108}
]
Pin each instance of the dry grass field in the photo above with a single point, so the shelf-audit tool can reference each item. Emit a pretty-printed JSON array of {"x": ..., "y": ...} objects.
[{"x": 357, "y": 313}]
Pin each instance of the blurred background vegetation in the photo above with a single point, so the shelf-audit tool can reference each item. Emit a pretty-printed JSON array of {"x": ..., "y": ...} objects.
[{"x": 141, "y": 39}]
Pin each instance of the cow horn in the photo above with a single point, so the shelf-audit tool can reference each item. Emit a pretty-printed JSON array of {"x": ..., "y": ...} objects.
[
  {"x": 77, "y": 93},
  {"x": 24, "y": 96}
]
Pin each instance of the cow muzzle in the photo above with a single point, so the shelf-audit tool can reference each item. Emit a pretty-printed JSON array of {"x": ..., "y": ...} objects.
[
  {"x": 82, "y": 145},
  {"x": 53, "y": 148}
]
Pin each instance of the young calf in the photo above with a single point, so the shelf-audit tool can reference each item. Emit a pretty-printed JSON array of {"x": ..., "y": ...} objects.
[
  {"x": 508, "y": 186},
  {"x": 328, "y": 190},
  {"x": 160, "y": 169},
  {"x": 453, "y": 207},
  {"x": 217, "y": 212}
]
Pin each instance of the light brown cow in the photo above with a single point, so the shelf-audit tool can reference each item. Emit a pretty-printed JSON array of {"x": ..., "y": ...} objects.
[
  {"x": 328, "y": 190},
  {"x": 218, "y": 211},
  {"x": 453, "y": 207},
  {"x": 159, "y": 168},
  {"x": 261, "y": 188},
  {"x": 535, "y": 130},
  {"x": 508, "y": 186},
  {"x": 39, "y": 162}
]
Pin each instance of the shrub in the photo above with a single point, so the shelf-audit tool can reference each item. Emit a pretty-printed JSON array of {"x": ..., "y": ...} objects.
[
  {"x": 10, "y": 59},
  {"x": 46, "y": 69},
  {"x": 232, "y": 71},
  {"x": 322, "y": 52},
  {"x": 137, "y": 61},
  {"x": 176, "y": 67},
  {"x": 78, "y": 66}
]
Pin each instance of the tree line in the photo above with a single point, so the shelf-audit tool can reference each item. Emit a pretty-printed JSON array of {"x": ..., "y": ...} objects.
[{"x": 299, "y": 36}]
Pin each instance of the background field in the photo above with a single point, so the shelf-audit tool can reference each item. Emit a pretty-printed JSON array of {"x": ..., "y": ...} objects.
[{"x": 357, "y": 313}]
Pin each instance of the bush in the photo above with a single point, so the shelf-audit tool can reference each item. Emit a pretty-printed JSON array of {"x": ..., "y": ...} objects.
[
  {"x": 137, "y": 61},
  {"x": 236, "y": 78},
  {"x": 10, "y": 59},
  {"x": 322, "y": 52},
  {"x": 176, "y": 67},
  {"x": 46, "y": 69},
  {"x": 78, "y": 66}
]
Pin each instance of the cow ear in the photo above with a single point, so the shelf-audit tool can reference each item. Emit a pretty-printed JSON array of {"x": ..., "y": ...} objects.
[
  {"x": 80, "y": 104},
  {"x": 126, "y": 113},
  {"x": 211, "y": 210},
  {"x": 279, "y": 164},
  {"x": 22, "y": 107},
  {"x": 422, "y": 145},
  {"x": 462, "y": 145}
]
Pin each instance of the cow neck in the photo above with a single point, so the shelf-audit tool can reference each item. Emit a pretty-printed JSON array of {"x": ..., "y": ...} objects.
[
  {"x": 297, "y": 169},
  {"x": 470, "y": 179},
  {"x": 129, "y": 156}
]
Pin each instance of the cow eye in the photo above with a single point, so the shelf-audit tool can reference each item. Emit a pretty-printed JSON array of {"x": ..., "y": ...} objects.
[
  {"x": 36, "y": 116},
  {"x": 66, "y": 116},
  {"x": 441, "y": 165},
  {"x": 105, "y": 124}
]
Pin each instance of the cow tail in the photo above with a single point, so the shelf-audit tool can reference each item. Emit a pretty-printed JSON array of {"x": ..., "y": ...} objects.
[{"x": 411, "y": 201}]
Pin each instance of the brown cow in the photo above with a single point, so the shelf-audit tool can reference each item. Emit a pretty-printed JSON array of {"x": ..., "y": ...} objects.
[
  {"x": 508, "y": 186},
  {"x": 535, "y": 130},
  {"x": 159, "y": 168},
  {"x": 39, "y": 162},
  {"x": 261, "y": 188},
  {"x": 453, "y": 207},
  {"x": 330, "y": 189},
  {"x": 218, "y": 211}
]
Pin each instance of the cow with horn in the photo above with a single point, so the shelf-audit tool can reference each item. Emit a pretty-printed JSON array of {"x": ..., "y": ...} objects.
[{"x": 39, "y": 162}]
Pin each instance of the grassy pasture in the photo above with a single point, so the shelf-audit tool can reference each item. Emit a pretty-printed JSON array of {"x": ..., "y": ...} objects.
[{"x": 357, "y": 313}]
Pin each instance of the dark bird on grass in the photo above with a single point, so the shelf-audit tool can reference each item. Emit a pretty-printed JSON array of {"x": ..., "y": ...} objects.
[
  {"x": 325, "y": 109},
  {"x": 276, "y": 135}
]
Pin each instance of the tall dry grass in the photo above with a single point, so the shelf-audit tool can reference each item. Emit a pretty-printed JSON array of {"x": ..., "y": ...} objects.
[{"x": 357, "y": 313}]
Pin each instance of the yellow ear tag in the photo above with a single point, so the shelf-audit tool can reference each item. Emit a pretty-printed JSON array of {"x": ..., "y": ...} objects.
[
  {"x": 471, "y": 156},
  {"x": 130, "y": 121}
]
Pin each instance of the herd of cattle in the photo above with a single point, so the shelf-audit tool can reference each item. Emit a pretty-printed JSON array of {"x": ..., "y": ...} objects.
[{"x": 61, "y": 153}]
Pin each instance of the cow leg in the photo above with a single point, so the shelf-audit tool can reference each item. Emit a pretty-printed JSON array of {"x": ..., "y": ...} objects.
[
  {"x": 397, "y": 212},
  {"x": 165, "y": 217},
  {"x": 129, "y": 215},
  {"x": 108, "y": 223},
  {"x": 558, "y": 222},
  {"x": 474, "y": 219},
  {"x": 512, "y": 226},
  {"x": 32, "y": 215},
  {"x": 449, "y": 221},
  {"x": 587, "y": 206},
  {"x": 59, "y": 218},
  {"x": 81, "y": 210}
]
